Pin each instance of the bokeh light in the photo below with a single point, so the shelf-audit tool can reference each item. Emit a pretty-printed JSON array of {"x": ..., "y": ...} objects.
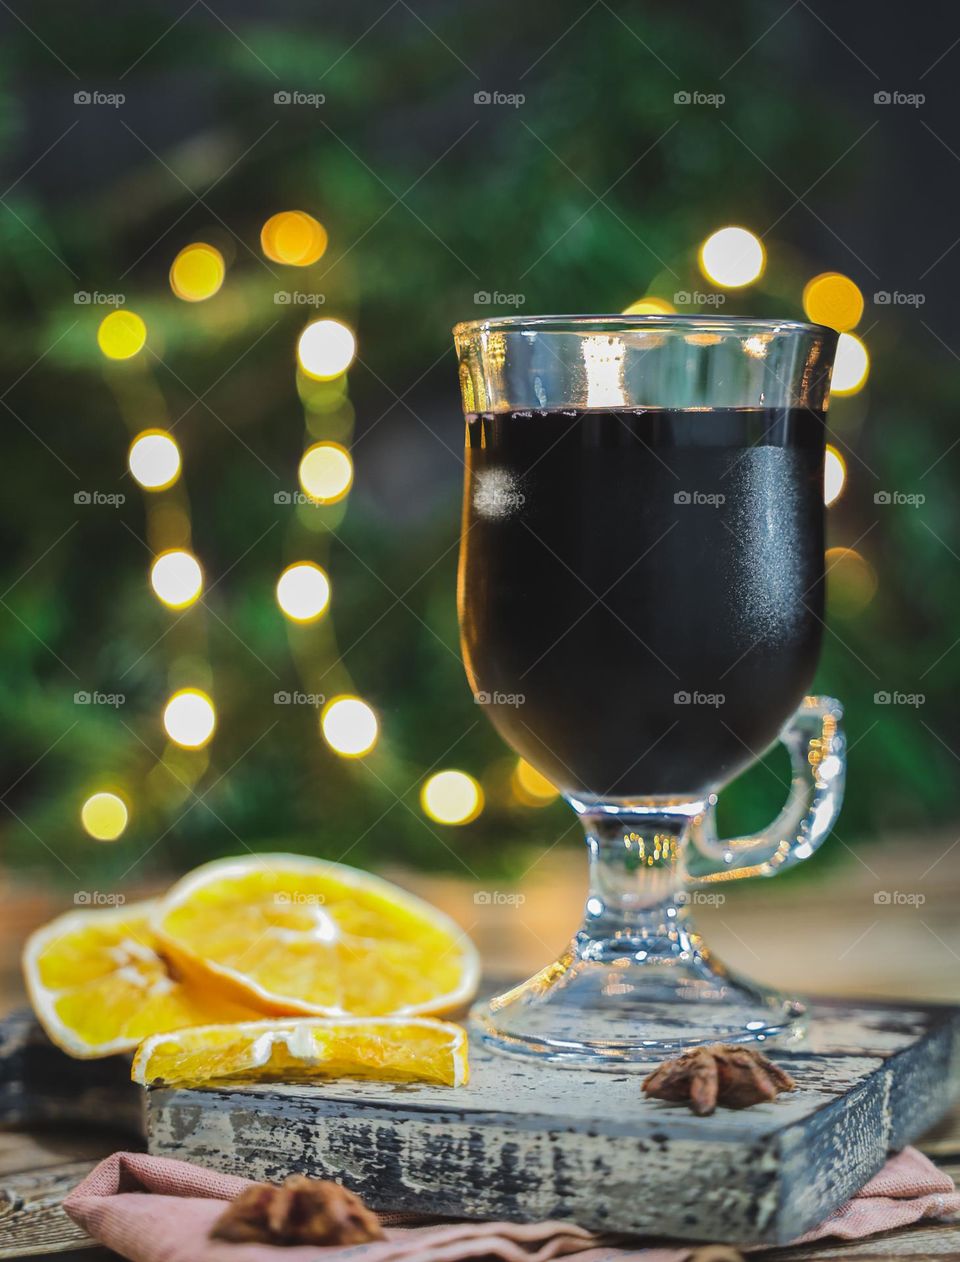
[
  {"x": 834, "y": 300},
  {"x": 530, "y": 787},
  {"x": 650, "y": 306},
  {"x": 293, "y": 237},
  {"x": 834, "y": 475},
  {"x": 176, "y": 578},
  {"x": 154, "y": 459},
  {"x": 349, "y": 726},
  {"x": 851, "y": 582},
  {"x": 757, "y": 345},
  {"x": 197, "y": 272},
  {"x": 326, "y": 472},
  {"x": 326, "y": 349},
  {"x": 303, "y": 591},
  {"x": 121, "y": 334},
  {"x": 851, "y": 366},
  {"x": 451, "y": 797},
  {"x": 104, "y": 816},
  {"x": 732, "y": 257},
  {"x": 189, "y": 718}
]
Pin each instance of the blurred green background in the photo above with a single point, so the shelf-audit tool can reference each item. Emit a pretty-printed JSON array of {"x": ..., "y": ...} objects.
[{"x": 594, "y": 191}]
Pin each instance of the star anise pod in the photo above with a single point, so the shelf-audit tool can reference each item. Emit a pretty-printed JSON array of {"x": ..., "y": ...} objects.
[
  {"x": 299, "y": 1211},
  {"x": 721, "y": 1073}
]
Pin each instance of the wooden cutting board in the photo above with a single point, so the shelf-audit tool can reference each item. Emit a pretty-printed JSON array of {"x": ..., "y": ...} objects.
[{"x": 528, "y": 1143}]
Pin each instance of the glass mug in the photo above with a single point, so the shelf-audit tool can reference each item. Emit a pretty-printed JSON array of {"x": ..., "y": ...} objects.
[{"x": 641, "y": 596}]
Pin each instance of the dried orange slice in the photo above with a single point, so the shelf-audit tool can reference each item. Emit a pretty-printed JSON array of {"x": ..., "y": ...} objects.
[
  {"x": 405, "y": 1049},
  {"x": 290, "y": 934},
  {"x": 98, "y": 985}
]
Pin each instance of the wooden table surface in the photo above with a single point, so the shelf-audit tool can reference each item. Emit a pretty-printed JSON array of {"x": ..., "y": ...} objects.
[{"x": 839, "y": 935}]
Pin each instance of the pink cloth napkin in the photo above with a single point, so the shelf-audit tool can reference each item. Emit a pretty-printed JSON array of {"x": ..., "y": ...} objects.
[{"x": 154, "y": 1209}]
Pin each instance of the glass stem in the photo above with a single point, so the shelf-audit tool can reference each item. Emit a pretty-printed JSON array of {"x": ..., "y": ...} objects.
[{"x": 635, "y": 905}]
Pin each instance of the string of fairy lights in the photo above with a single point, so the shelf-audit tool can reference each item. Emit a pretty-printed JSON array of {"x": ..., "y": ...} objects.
[{"x": 731, "y": 258}]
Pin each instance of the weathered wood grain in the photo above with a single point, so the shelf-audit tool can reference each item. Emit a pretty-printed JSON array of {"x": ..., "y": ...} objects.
[
  {"x": 37, "y": 1170},
  {"x": 40, "y": 1083},
  {"x": 526, "y": 1143},
  {"x": 32, "y": 1220}
]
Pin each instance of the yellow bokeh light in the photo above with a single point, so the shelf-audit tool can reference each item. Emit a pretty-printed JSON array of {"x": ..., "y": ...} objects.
[
  {"x": 834, "y": 300},
  {"x": 834, "y": 475},
  {"x": 851, "y": 582},
  {"x": 326, "y": 472},
  {"x": 349, "y": 726},
  {"x": 326, "y": 349},
  {"x": 851, "y": 367},
  {"x": 732, "y": 257},
  {"x": 451, "y": 797},
  {"x": 121, "y": 334},
  {"x": 532, "y": 788},
  {"x": 303, "y": 591},
  {"x": 104, "y": 816},
  {"x": 176, "y": 578},
  {"x": 650, "y": 306},
  {"x": 189, "y": 718},
  {"x": 197, "y": 272},
  {"x": 293, "y": 237},
  {"x": 154, "y": 459}
]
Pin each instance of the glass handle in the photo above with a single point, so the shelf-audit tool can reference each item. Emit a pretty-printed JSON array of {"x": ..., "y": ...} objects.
[{"x": 815, "y": 741}]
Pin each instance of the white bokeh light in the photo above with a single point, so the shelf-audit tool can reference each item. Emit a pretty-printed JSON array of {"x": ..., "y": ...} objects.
[
  {"x": 834, "y": 475},
  {"x": 851, "y": 365},
  {"x": 326, "y": 472},
  {"x": 189, "y": 718},
  {"x": 732, "y": 257},
  {"x": 349, "y": 726},
  {"x": 326, "y": 349},
  {"x": 451, "y": 797},
  {"x": 154, "y": 460},
  {"x": 303, "y": 591},
  {"x": 176, "y": 578}
]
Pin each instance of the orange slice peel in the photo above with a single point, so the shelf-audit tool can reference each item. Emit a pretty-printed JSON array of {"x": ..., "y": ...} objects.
[{"x": 396, "y": 1049}]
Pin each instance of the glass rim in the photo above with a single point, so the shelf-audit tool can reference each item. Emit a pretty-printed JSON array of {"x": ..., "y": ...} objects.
[{"x": 625, "y": 323}]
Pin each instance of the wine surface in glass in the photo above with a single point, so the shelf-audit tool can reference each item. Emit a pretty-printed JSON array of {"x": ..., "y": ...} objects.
[{"x": 641, "y": 590}]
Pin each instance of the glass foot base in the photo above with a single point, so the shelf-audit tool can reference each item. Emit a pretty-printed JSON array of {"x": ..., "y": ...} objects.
[{"x": 631, "y": 1012}]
